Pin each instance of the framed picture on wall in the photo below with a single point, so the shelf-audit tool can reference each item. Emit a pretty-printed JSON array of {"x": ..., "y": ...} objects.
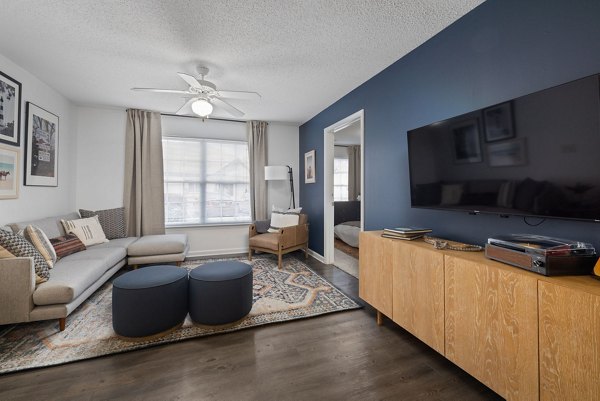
[
  {"x": 498, "y": 121},
  {"x": 309, "y": 167},
  {"x": 507, "y": 153},
  {"x": 10, "y": 110},
  {"x": 9, "y": 173},
  {"x": 467, "y": 147},
  {"x": 41, "y": 147}
]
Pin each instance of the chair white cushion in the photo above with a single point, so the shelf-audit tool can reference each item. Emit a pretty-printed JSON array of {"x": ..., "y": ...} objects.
[{"x": 284, "y": 218}]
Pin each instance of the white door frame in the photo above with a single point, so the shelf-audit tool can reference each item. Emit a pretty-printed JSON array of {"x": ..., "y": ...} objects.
[{"x": 329, "y": 141}]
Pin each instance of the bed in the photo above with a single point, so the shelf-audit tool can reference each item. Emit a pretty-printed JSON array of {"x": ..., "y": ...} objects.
[{"x": 347, "y": 221}]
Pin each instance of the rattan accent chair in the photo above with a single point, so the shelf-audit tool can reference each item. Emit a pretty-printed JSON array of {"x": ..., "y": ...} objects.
[{"x": 286, "y": 240}]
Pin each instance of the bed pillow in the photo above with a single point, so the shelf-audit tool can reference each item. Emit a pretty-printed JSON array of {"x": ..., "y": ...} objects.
[
  {"x": 67, "y": 245},
  {"x": 13, "y": 245},
  {"x": 41, "y": 242},
  {"x": 284, "y": 218},
  {"x": 89, "y": 230},
  {"x": 111, "y": 220}
]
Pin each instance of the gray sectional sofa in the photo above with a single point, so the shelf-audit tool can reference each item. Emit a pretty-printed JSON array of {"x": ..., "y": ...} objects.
[{"x": 75, "y": 277}]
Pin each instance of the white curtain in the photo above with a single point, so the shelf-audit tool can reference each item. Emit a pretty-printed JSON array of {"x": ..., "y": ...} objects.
[
  {"x": 353, "y": 172},
  {"x": 144, "y": 197},
  {"x": 257, "y": 149}
]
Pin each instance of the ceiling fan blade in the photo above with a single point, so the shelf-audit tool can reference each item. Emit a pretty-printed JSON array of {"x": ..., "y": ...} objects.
[
  {"x": 190, "y": 80},
  {"x": 161, "y": 90},
  {"x": 228, "y": 107},
  {"x": 184, "y": 109},
  {"x": 240, "y": 94}
]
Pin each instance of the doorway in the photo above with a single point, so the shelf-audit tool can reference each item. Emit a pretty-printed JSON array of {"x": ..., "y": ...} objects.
[{"x": 343, "y": 202}]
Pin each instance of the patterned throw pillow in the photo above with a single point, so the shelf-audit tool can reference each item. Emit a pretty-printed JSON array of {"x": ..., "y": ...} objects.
[
  {"x": 284, "y": 218},
  {"x": 41, "y": 242},
  {"x": 13, "y": 245},
  {"x": 67, "y": 245},
  {"x": 87, "y": 230},
  {"x": 111, "y": 220}
]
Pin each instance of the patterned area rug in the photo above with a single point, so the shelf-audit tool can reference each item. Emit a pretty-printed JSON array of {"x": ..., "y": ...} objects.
[{"x": 295, "y": 292}]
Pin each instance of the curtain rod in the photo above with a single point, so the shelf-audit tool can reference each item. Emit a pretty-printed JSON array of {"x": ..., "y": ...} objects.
[{"x": 200, "y": 118}]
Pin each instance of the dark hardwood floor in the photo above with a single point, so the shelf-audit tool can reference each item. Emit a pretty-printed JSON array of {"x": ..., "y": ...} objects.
[{"x": 342, "y": 356}]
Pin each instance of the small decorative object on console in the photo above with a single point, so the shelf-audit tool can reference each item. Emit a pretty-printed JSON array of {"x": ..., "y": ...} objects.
[
  {"x": 544, "y": 255},
  {"x": 439, "y": 243}
]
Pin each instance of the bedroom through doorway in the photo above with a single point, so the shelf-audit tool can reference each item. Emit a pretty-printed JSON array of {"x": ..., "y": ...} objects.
[{"x": 345, "y": 187}]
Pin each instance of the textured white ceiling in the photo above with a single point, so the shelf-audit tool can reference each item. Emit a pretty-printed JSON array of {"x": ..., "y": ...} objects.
[{"x": 301, "y": 56}]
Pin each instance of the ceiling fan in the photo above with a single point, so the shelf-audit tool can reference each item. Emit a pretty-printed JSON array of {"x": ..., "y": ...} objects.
[{"x": 204, "y": 96}]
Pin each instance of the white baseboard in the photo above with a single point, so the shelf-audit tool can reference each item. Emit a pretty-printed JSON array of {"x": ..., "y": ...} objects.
[
  {"x": 216, "y": 252},
  {"x": 316, "y": 255}
]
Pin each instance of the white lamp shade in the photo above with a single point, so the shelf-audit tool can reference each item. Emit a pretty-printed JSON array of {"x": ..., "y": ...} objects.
[
  {"x": 202, "y": 107},
  {"x": 276, "y": 173}
]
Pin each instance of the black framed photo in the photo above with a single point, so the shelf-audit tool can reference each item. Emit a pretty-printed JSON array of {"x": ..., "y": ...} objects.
[
  {"x": 498, "y": 121},
  {"x": 41, "y": 147},
  {"x": 467, "y": 146},
  {"x": 10, "y": 110}
]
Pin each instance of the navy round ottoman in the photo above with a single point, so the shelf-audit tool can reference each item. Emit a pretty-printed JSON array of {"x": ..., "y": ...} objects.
[
  {"x": 220, "y": 292},
  {"x": 149, "y": 301}
]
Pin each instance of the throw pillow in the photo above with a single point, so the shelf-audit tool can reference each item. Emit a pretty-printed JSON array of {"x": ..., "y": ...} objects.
[
  {"x": 88, "y": 230},
  {"x": 41, "y": 242},
  {"x": 111, "y": 220},
  {"x": 284, "y": 218},
  {"x": 13, "y": 245},
  {"x": 67, "y": 245}
]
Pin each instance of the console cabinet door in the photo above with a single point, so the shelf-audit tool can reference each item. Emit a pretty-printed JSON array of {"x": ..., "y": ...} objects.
[
  {"x": 419, "y": 293},
  {"x": 375, "y": 271},
  {"x": 569, "y": 343},
  {"x": 492, "y": 326}
]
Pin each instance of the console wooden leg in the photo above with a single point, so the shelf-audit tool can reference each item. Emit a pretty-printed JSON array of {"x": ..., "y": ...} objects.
[
  {"x": 62, "y": 322},
  {"x": 134, "y": 267},
  {"x": 279, "y": 257},
  {"x": 250, "y": 255},
  {"x": 379, "y": 318},
  {"x": 179, "y": 263}
]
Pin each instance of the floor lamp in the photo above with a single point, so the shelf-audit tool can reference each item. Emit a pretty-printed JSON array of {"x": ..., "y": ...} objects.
[{"x": 281, "y": 173}]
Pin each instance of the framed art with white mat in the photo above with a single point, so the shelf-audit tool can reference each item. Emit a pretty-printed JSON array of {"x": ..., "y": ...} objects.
[
  {"x": 9, "y": 173},
  {"x": 41, "y": 147},
  {"x": 10, "y": 110}
]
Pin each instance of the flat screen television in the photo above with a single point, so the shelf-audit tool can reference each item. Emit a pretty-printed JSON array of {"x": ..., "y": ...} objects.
[{"x": 536, "y": 155}]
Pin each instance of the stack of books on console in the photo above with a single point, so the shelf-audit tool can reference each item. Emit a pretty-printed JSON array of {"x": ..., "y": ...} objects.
[{"x": 405, "y": 233}]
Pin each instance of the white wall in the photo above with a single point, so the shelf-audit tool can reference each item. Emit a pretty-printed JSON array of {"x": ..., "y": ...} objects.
[
  {"x": 100, "y": 157},
  {"x": 283, "y": 149},
  {"x": 100, "y": 162},
  {"x": 38, "y": 202}
]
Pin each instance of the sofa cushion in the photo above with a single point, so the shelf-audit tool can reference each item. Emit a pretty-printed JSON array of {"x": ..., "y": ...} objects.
[
  {"x": 73, "y": 274},
  {"x": 111, "y": 220},
  {"x": 13, "y": 245},
  {"x": 158, "y": 245},
  {"x": 41, "y": 242},
  {"x": 117, "y": 243},
  {"x": 88, "y": 230},
  {"x": 51, "y": 226},
  {"x": 66, "y": 245}
]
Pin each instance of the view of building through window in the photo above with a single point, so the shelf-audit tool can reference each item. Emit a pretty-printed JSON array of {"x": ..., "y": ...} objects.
[
  {"x": 340, "y": 179},
  {"x": 206, "y": 181}
]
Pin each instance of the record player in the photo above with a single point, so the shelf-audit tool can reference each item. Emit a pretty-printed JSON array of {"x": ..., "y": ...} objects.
[{"x": 544, "y": 255}]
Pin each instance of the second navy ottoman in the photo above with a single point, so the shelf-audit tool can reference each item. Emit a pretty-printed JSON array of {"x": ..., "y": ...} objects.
[
  {"x": 149, "y": 301},
  {"x": 220, "y": 292}
]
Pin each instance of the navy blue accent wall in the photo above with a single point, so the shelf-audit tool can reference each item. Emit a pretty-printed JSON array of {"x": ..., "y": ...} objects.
[{"x": 501, "y": 50}]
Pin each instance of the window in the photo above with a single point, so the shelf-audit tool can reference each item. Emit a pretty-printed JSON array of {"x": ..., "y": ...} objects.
[
  {"x": 206, "y": 181},
  {"x": 340, "y": 179}
]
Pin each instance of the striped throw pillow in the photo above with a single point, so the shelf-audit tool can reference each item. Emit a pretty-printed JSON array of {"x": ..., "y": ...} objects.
[
  {"x": 67, "y": 245},
  {"x": 284, "y": 218},
  {"x": 41, "y": 242},
  {"x": 89, "y": 230}
]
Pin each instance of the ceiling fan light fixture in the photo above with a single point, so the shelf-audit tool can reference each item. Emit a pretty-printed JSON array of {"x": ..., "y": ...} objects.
[{"x": 202, "y": 107}]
